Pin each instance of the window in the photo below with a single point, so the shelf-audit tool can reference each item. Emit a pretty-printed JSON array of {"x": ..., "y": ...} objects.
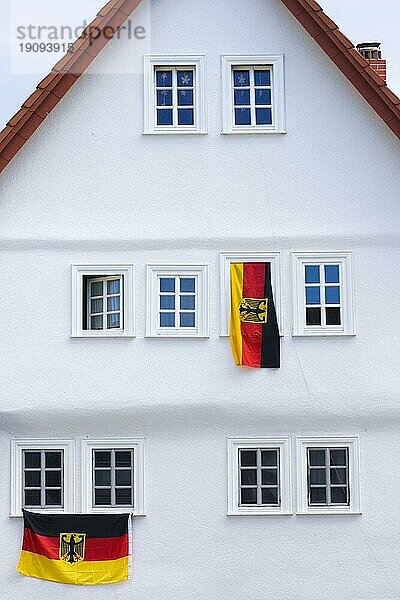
[
  {"x": 259, "y": 476},
  {"x": 177, "y": 300},
  {"x": 323, "y": 294},
  {"x": 42, "y": 475},
  {"x": 102, "y": 301},
  {"x": 113, "y": 475},
  {"x": 174, "y": 94},
  {"x": 328, "y": 476},
  {"x": 226, "y": 258},
  {"x": 253, "y": 94}
]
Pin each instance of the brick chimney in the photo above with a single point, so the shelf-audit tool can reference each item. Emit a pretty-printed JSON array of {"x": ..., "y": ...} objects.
[{"x": 371, "y": 51}]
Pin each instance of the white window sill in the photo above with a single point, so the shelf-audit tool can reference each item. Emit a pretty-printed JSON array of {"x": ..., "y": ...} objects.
[
  {"x": 103, "y": 335},
  {"x": 175, "y": 335},
  {"x": 323, "y": 333},
  {"x": 175, "y": 131},
  {"x": 119, "y": 511},
  {"x": 252, "y": 130},
  {"x": 259, "y": 513},
  {"x": 335, "y": 512}
]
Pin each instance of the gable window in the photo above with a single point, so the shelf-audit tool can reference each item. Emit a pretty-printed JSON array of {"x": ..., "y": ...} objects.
[
  {"x": 42, "y": 475},
  {"x": 102, "y": 301},
  {"x": 177, "y": 300},
  {"x": 174, "y": 94},
  {"x": 328, "y": 476},
  {"x": 253, "y": 99},
  {"x": 113, "y": 475},
  {"x": 259, "y": 476},
  {"x": 323, "y": 294}
]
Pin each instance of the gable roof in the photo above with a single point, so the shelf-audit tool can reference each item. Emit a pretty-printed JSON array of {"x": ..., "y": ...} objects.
[{"x": 113, "y": 15}]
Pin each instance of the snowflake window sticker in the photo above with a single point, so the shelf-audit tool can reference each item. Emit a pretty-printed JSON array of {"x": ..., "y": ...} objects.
[{"x": 175, "y": 97}]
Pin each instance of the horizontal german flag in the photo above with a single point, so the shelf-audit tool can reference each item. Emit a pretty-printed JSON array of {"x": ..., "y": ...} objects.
[
  {"x": 254, "y": 331},
  {"x": 76, "y": 549}
]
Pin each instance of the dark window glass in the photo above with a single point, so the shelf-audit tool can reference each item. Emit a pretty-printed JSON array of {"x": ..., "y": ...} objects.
[
  {"x": 242, "y": 97},
  {"x": 53, "y": 479},
  {"x": 333, "y": 316},
  {"x": 338, "y": 456},
  {"x": 313, "y": 316},
  {"x": 164, "y": 78},
  {"x": 317, "y": 495},
  {"x": 102, "y": 459},
  {"x": 32, "y": 497},
  {"x": 167, "y": 319},
  {"x": 102, "y": 477},
  {"x": 332, "y": 295},
  {"x": 167, "y": 302},
  {"x": 113, "y": 321},
  {"x": 241, "y": 78},
  {"x": 269, "y": 495},
  {"x": 164, "y": 97},
  {"x": 263, "y": 96},
  {"x": 167, "y": 284},
  {"x": 185, "y": 97},
  {"x": 185, "y": 78},
  {"x": 96, "y": 322},
  {"x": 164, "y": 116},
  {"x": 313, "y": 295},
  {"x": 269, "y": 458},
  {"x": 248, "y": 495},
  {"x": 113, "y": 286},
  {"x": 102, "y": 497},
  {"x": 248, "y": 477},
  {"x": 331, "y": 273},
  {"x": 53, "y": 497},
  {"x": 339, "y": 495},
  {"x": 263, "y": 116},
  {"x": 262, "y": 77},
  {"x": 113, "y": 303},
  {"x": 187, "y": 302},
  {"x": 312, "y": 274},
  {"x": 53, "y": 460},
  {"x": 185, "y": 116},
  {"x": 187, "y": 320},
  {"x": 187, "y": 284},
  {"x": 123, "y": 458},
  {"x": 338, "y": 475},
  {"x": 269, "y": 477},
  {"x": 123, "y": 478},
  {"x": 123, "y": 497},
  {"x": 242, "y": 116},
  {"x": 32, "y": 479},
  {"x": 316, "y": 457},
  {"x": 32, "y": 460},
  {"x": 317, "y": 476},
  {"x": 248, "y": 458}
]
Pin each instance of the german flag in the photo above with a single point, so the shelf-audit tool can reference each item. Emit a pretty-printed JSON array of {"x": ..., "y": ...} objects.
[
  {"x": 77, "y": 549},
  {"x": 254, "y": 331}
]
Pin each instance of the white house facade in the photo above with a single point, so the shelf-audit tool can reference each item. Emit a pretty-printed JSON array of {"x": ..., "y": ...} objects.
[{"x": 237, "y": 139}]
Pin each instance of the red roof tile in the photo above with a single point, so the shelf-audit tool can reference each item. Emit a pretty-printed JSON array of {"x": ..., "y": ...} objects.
[{"x": 114, "y": 14}]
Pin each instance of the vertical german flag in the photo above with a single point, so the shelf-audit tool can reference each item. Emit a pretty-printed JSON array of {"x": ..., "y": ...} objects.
[
  {"x": 77, "y": 549},
  {"x": 254, "y": 331}
]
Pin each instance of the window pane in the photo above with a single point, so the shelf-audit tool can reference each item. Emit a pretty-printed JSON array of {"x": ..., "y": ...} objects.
[
  {"x": 167, "y": 319},
  {"x": 164, "y": 116},
  {"x": 123, "y": 477},
  {"x": 241, "y": 78},
  {"x": 123, "y": 497},
  {"x": 263, "y": 116},
  {"x": 313, "y": 295},
  {"x": 123, "y": 458},
  {"x": 187, "y": 302},
  {"x": 187, "y": 284},
  {"x": 102, "y": 459},
  {"x": 317, "y": 476},
  {"x": 263, "y": 96},
  {"x": 53, "y": 479},
  {"x": 262, "y": 77},
  {"x": 316, "y": 457},
  {"x": 313, "y": 316},
  {"x": 332, "y": 295},
  {"x": 187, "y": 320},
  {"x": 248, "y": 458},
  {"x": 248, "y": 496},
  {"x": 113, "y": 321},
  {"x": 167, "y": 284},
  {"x": 32, "y": 460},
  {"x": 339, "y": 495},
  {"x": 53, "y": 460},
  {"x": 164, "y": 78},
  {"x": 338, "y": 456},
  {"x": 96, "y": 322},
  {"x": 102, "y": 497},
  {"x": 164, "y": 97},
  {"x": 53, "y": 497},
  {"x": 32, "y": 479},
  {"x": 185, "y": 97},
  {"x": 32, "y": 497},
  {"x": 332, "y": 273},
  {"x": 333, "y": 316},
  {"x": 185, "y": 116},
  {"x": 113, "y": 303},
  {"x": 269, "y": 458},
  {"x": 339, "y": 476},
  {"x": 102, "y": 477},
  {"x": 312, "y": 273},
  {"x": 269, "y": 477},
  {"x": 248, "y": 476},
  {"x": 96, "y": 288},
  {"x": 242, "y": 97},
  {"x": 96, "y": 306},
  {"x": 242, "y": 116},
  {"x": 185, "y": 78},
  {"x": 269, "y": 495},
  {"x": 113, "y": 286},
  {"x": 167, "y": 302},
  {"x": 318, "y": 496}
]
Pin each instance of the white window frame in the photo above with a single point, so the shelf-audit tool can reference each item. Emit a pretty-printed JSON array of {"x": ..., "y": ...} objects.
[
  {"x": 126, "y": 271},
  {"x": 18, "y": 446},
  {"x": 345, "y": 260},
  {"x": 151, "y": 62},
  {"x": 284, "y": 445},
  {"x": 276, "y": 62},
  {"x": 226, "y": 258},
  {"x": 138, "y": 446},
  {"x": 201, "y": 273},
  {"x": 352, "y": 443}
]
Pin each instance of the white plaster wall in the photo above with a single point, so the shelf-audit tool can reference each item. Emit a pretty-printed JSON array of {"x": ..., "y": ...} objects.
[{"x": 88, "y": 187}]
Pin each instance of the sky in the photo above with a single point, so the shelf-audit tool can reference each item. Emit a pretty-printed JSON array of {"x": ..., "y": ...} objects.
[{"x": 20, "y": 71}]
